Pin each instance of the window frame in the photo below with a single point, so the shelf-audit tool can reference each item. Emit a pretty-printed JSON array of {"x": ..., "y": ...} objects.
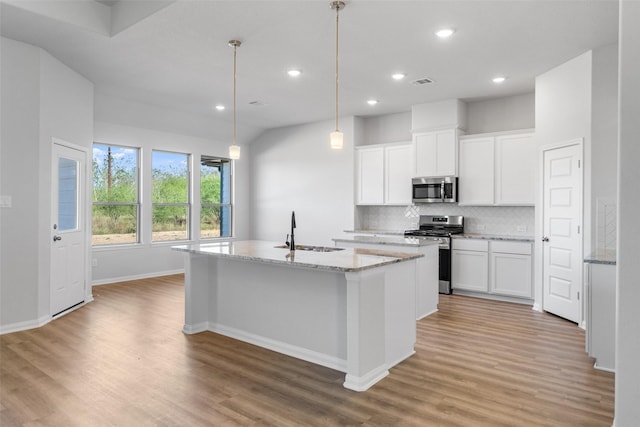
[
  {"x": 188, "y": 204},
  {"x": 137, "y": 204},
  {"x": 204, "y": 157}
]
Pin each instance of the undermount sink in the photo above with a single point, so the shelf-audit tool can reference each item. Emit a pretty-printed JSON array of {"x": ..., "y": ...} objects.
[{"x": 311, "y": 248}]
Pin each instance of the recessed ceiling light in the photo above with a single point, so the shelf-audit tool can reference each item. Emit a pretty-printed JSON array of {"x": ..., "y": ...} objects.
[
  {"x": 398, "y": 76},
  {"x": 372, "y": 101},
  {"x": 294, "y": 72},
  {"x": 499, "y": 79},
  {"x": 220, "y": 107},
  {"x": 445, "y": 32}
]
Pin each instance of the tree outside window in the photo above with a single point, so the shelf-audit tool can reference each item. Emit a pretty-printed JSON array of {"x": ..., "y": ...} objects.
[
  {"x": 116, "y": 204},
  {"x": 170, "y": 196},
  {"x": 215, "y": 197}
]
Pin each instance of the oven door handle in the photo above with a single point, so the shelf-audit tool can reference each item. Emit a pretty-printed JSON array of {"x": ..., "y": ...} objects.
[{"x": 442, "y": 190}]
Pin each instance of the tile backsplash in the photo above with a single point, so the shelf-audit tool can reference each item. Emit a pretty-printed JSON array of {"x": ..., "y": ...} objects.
[{"x": 498, "y": 220}]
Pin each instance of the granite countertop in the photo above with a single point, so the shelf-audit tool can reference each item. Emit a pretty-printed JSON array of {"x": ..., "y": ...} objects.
[
  {"x": 378, "y": 232},
  {"x": 387, "y": 240},
  {"x": 493, "y": 237},
  {"x": 345, "y": 260},
  {"x": 602, "y": 256}
]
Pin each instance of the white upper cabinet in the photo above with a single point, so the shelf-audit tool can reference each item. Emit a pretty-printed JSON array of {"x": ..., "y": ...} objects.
[
  {"x": 476, "y": 171},
  {"x": 436, "y": 153},
  {"x": 497, "y": 170},
  {"x": 370, "y": 175},
  {"x": 398, "y": 174},
  {"x": 383, "y": 174},
  {"x": 516, "y": 157}
]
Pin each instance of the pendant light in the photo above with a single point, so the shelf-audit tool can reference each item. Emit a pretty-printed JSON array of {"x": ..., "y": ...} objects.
[
  {"x": 234, "y": 149},
  {"x": 337, "y": 137}
]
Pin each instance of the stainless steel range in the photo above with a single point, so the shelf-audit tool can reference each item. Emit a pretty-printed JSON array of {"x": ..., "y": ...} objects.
[{"x": 440, "y": 228}]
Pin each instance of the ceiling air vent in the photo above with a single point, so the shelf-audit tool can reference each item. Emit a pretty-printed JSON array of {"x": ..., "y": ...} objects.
[
  {"x": 257, "y": 103},
  {"x": 422, "y": 81}
]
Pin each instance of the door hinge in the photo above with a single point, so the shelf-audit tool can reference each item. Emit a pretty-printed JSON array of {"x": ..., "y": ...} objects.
[
  {"x": 578, "y": 229},
  {"x": 578, "y": 295},
  {"x": 579, "y": 164}
]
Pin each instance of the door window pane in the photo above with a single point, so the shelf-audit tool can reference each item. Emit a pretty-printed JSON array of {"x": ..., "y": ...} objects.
[{"x": 67, "y": 194}]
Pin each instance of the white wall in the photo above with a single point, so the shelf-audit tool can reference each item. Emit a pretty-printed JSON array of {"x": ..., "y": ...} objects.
[
  {"x": 563, "y": 113},
  {"x": 627, "y": 410},
  {"x": 386, "y": 128},
  {"x": 147, "y": 259},
  {"x": 19, "y": 161},
  {"x": 604, "y": 147},
  {"x": 501, "y": 114},
  {"x": 41, "y": 99},
  {"x": 294, "y": 169}
]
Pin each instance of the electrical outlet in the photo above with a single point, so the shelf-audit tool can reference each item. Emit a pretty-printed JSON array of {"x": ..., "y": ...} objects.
[
  {"x": 5, "y": 201},
  {"x": 94, "y": 262}
]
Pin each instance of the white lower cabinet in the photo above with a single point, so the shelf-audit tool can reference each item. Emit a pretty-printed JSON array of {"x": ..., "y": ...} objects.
[
  {"x": 492, "y": 267},
  {"x": 469, "y": 265},
  {"x": 601, "y": 315}
]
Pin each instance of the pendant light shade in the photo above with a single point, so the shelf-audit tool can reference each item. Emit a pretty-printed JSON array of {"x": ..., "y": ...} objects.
[
  {"x": 234, "y": 149},
  {"x": 337, "y": 137}
]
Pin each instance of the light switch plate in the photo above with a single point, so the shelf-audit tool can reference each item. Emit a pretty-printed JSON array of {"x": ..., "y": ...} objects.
[{"x": 5, "y": 201}]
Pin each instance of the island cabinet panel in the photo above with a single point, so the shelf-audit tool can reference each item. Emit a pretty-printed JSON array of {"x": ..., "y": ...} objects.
[
  {"x": 353, "y": 311},
  {"x": 426, "y": 273}
]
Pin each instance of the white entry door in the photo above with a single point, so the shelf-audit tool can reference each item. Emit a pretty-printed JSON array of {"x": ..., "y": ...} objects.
[
  {"x": 562, "y": 241},
  {"x": 68, "y": 228}
]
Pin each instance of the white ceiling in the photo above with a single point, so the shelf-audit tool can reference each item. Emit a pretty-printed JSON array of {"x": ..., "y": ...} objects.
[{"x": 175, "y": 54}]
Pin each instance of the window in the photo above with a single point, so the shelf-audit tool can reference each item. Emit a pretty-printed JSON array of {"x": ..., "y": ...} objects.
[
  {"x": 170, "y": 196},
  {"x": 215, "y": 197},
  {"x": 116, "y": 204}
]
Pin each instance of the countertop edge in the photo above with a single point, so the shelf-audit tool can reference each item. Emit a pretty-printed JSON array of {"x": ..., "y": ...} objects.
[{"x": 391, "y": 259}]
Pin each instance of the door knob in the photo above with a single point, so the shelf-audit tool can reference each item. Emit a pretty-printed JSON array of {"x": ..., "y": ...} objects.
[
  {"x": 545, "y": 239},
  {"x": 56, "y": 238}
]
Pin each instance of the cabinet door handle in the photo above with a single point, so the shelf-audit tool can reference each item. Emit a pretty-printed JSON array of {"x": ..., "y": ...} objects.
[{"x": 545, "y": 239}]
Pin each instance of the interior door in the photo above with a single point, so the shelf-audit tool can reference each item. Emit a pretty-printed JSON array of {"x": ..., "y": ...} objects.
[
  {"x": 68, "y": 228},
  {"x": 562, "y": 241}
]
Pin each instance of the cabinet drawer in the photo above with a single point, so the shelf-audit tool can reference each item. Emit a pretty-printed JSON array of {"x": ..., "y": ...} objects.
[
  {"x": 470, "y": 245},
  {"x": 520, "y": 248}
]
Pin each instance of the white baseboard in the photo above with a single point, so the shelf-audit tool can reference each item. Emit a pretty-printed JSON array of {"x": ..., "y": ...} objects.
[
  {"x": 25, "y": 325},
  {"x": 281, "y": 347},
  {"x": 364, "y": 383},
  {"x": 135, "y": 277},
  {"x": 427, "y": 314}
]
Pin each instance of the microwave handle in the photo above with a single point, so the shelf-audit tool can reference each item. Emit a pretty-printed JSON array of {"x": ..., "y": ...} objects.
[{"x": 442, "y": 190}]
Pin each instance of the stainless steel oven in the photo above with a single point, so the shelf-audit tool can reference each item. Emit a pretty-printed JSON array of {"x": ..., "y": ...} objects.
[
  {"x": 440, "y": 228},
  {"x": 435, "y": 190}
]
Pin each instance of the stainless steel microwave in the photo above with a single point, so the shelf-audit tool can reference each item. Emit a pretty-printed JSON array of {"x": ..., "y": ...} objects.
[{"x": 435, "y": 190}]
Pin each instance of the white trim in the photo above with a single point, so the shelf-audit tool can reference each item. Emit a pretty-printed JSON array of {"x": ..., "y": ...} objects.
[
  {"x": 24, "y": 325},
  {"x": 494, "y": 297},
  {"x": 282, "y": 347},
  {"x": 600, "y": 368},
  {"x": 365, "y": 382},
  {"x": 136, "y": 277},
  {"x": 427, "y": 314}
]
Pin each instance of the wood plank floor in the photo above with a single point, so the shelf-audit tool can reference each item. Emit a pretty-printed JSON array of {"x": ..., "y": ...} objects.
[{"x": 122, "y": 360}]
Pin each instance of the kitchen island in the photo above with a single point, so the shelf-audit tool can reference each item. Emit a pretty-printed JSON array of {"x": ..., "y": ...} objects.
[{"x": 352, "y": 310}]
